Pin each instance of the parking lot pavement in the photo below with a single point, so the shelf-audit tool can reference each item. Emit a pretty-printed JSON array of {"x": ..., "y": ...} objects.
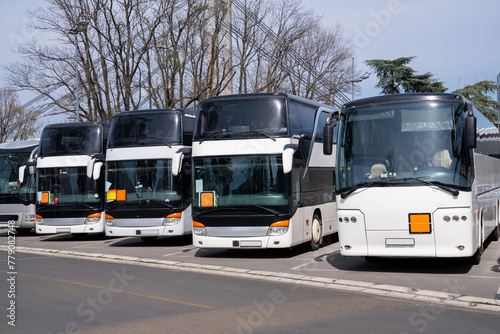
[{"x": 448, "y": 276}]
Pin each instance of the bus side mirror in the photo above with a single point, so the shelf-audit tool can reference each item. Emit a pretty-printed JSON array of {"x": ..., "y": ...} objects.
[
  {"x": 21, "y": 173},
  {"x": 177, "y": 160},
  {"x": 328, "y": 139},
  {"x": 90, "y": 168},
  {"x": 97, "y": 170},
  {"x": 470, "y": 131},
  {"x": 287, "y": 157},
  {"x": 94, "y": 169},
  {"x": 31, "y": 169},
  {"x": 177, "y": 163}
]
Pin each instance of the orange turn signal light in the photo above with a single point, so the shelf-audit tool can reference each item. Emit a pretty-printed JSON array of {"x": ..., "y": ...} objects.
[{"x": 197, "y": 224}]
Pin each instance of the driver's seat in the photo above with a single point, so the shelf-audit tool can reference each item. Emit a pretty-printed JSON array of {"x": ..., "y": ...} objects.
[
  {"x": 377, "y": 170},
  {"x": 441, "y": 159}
]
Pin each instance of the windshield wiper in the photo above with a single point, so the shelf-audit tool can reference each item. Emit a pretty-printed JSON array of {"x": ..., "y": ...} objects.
[
  {"x": 365, "y": 184},
  {"x": 454, "y": 192},
  {"x": 84, "y": 205},
  {"x": 211, "y": 134},
  {"x": 115, "y": 205},
  {"x": 160, "y": 139},
  {"x": 23, "y": 199},
  {"x": 51, "y": 206},
  {"x": 155, "y": 201},
  {"x": 274, "y": 212},
  {"x": 228, "y": 208},
  {"x": 137, "y": 204},
  {"x": 260, "y": 133}
]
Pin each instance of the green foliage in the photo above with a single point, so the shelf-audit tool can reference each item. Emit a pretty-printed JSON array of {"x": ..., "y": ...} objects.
[
  {"x": 477, "y": 94},
  {"x": 396, "y": 77}
]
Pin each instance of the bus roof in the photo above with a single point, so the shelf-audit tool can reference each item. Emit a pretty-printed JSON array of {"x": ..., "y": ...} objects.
[
  {"x": 19, "y": 145},
  {"x": 185, "y": 112},
  {"x": 399, "y": 98},
  {"x": 62, "y": 125},
  {"x": 260, "y": 95}
]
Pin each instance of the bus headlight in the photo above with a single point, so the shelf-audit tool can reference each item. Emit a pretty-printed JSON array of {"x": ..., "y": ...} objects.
[
  {"x": 199, "y": 229},
  {"x": 110, "y": 221},
  {"x": 30, "y": 219},
  {"x": 172, "y": 219},
  {"x": 278, "y": 228},
  {"x": 93, "y": 219},
  {"x": 39, "y": 220}
]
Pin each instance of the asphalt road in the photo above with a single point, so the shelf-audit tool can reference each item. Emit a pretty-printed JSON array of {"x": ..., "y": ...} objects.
[
  {"x": 444, "y": 275},
  {"x": 67, "y": 295}
]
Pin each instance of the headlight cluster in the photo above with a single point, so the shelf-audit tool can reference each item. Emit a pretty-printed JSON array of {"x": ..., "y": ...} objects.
[
  {"x": 30, "y": 219},
  {"x": 199, "y": 228},
  {"x": 172, "y": 219},
  {"x": 278, "y": 228},
  {"x": 92, "y": 220},
  {"x": 110, "y": 221},
  {"x": 39, "y": 220}
]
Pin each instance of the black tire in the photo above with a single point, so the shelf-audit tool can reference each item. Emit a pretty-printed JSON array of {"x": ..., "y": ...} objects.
[
  {"x": 23, "y": 231},
  {"x": 496, "y": 234},
  {"x": 316, "y": 233},
  {"x": 476, "y": 258}
]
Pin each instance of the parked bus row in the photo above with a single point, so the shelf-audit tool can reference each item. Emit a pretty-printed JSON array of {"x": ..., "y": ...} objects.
[{"x": 418, "y": 175}]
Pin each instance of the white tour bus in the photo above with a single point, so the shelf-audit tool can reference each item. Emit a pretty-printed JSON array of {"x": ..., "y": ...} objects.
[
  {"x": 17, "y": 195},
  {"x": 260, "y": 177},
  {"x": 70, "y": 199},
  {"x": 148, "y": 178},
  {"x": 415, "y": 177}
]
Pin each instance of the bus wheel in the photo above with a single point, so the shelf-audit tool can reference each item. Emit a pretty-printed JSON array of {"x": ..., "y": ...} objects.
[
  {"x": 316, "y": 233},
  {"x": 476, "y": 258},
  {"x": 23, "y": 231},
  {"x": 496, "y": 234}
]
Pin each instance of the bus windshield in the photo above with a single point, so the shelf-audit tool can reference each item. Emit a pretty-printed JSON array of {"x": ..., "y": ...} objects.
[
  {"x": 242, "y": 117},
  {"x": 257, "y": 183},
  {"x": 145, "y": 129},
  {"x": 11, "y": 190},
  {"x": 401, "y": 144},
  {"x": 75, "y": 139},
  {"x": 143, "y": 183},
  {"x": 67, "y": 185}
]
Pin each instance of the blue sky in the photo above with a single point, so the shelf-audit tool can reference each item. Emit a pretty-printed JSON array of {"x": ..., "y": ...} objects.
[{"x": 456, "y": 40}]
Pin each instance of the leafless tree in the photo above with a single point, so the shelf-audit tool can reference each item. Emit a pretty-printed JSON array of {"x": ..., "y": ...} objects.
[
  {"x": 16, "y": 123},
  {"x": 173, "y": 53},
  {"x": 281, "y": 46}
]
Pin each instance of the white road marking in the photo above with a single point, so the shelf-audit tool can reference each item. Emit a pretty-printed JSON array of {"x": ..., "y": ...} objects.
[
  {"x": 85, "y": 246},
  {"x": 470, "y": 276}
]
